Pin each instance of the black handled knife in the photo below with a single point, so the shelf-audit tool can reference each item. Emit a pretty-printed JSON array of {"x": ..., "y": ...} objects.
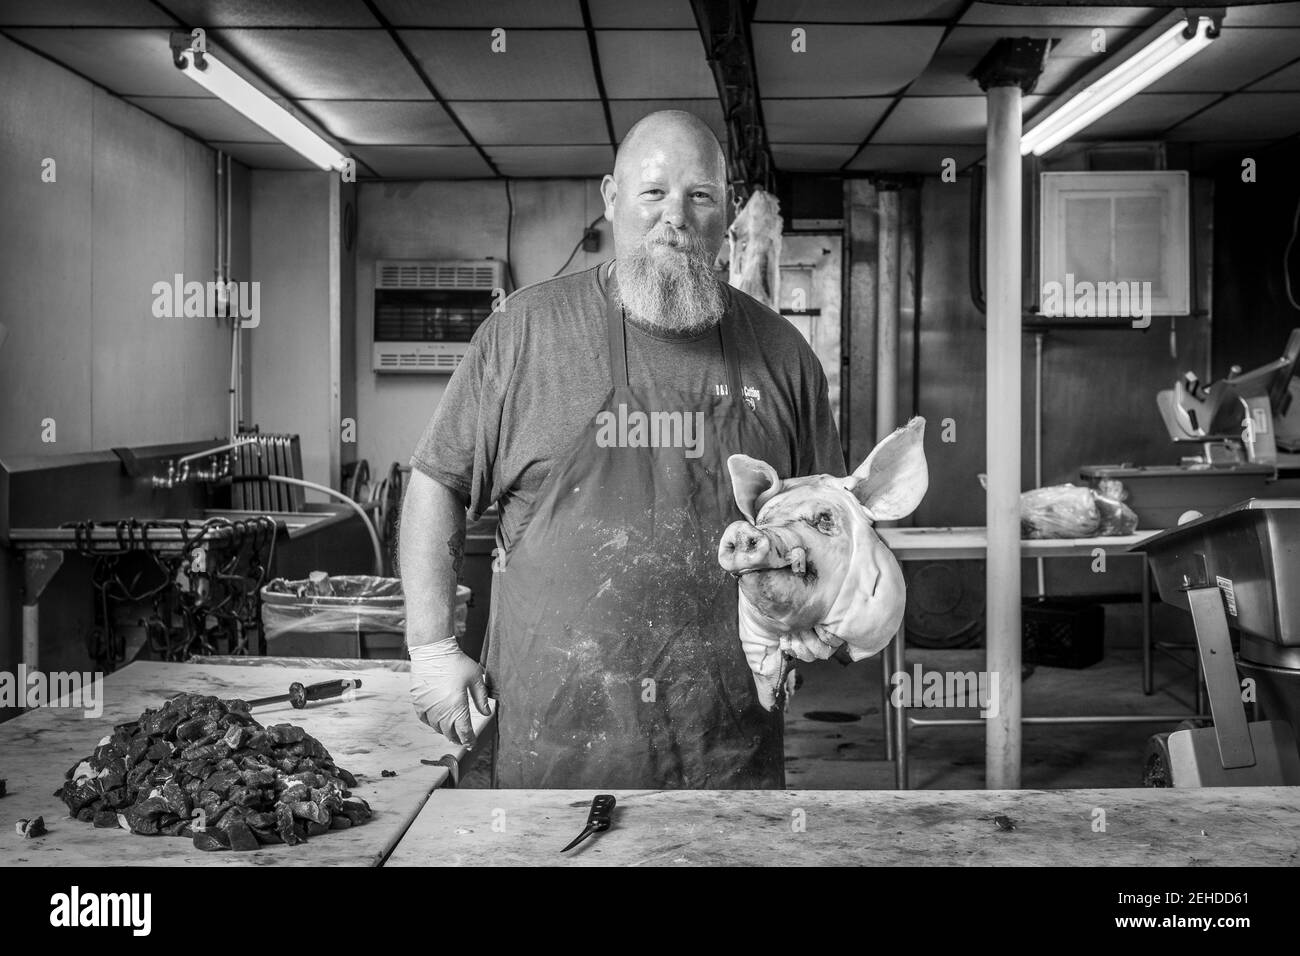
[
  {"x": 299, "y": 695},
  {"x": 600, "y": 819}
]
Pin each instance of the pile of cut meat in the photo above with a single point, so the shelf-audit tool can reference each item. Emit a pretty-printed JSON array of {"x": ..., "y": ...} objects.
[{"x": 202, "y": 767}]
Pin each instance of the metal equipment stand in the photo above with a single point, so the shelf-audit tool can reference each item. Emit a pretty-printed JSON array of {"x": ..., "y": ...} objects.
[{"x": 1232, "y": 752}]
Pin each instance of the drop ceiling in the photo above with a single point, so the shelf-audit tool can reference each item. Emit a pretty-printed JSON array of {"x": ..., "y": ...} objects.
[{"x": 413, "y": 89}]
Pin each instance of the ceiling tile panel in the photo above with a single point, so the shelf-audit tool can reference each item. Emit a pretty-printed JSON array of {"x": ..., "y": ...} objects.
[
  {"x": 476, "y": 13},
  {"x": 625, "y": 113},
  {"x": 1244, "y": 116},
  {"x": 807, "y": 157},
  {"x": 940, "y": 120},
  {"x": 1069, "y": 42},
  {"x": 536, "y": 64},
  {"x": 552, "y": 160},
  {"x": 950, "y": 76},
  {"x": 664, "y": 14},
  {"x": 1031, "y": 14},
  {"x": 413, "y": 122},
  {"x": 913, "y": 159},
  {"x": 82, "y": 13},
  {"x": 654, "y": 64},
  {"x": 208, "y": 118},
  {"x": 424, "y": 162},
  {"x": 280, "y": 13},
  {"x": 822, "y": 121},
  {"x": 1264, "y": 15},
  {"x": 329, "y": 64},
  {"x": 532, "y": 123},
  {"x": 1146, "y": 115},
  {"x": 855, "y": 11},
  {"x": 1237, "y": 58},
  {"x": 265, "y": 155},
  {"x": 841, "y": 60},
  {"x": 1286, "y": 79},
  {"x": 127, "y": 62}
]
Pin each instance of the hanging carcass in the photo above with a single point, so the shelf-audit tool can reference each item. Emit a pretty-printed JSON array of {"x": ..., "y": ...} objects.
[{"x": 754, "y": 248}]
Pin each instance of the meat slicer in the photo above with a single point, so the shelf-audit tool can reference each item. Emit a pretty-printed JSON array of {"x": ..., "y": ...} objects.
[{"x": 1244, "y": 417}]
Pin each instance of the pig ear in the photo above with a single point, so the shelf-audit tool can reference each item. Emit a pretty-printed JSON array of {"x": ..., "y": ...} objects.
[
  {"x": 893, "y": 479},
  {"x": 753, "y": 482}
]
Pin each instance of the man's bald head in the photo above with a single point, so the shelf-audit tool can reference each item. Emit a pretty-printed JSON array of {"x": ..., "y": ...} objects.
[
  {"x": 670, "y": 172},
  {"x": 666, "y": 200},
  {"x": 665, "y": 130}
]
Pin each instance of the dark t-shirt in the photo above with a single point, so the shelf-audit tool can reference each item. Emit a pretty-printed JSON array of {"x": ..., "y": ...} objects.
[{"x": 537, "y": 373}]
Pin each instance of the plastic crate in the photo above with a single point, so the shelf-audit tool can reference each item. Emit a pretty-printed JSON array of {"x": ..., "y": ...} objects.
[{"x": 1062, "y": 633}]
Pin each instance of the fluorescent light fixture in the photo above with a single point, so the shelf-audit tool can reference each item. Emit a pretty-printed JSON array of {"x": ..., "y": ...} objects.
[
  {"x": 1176, "y": 45},
  {"x": 214, "y": 76}
]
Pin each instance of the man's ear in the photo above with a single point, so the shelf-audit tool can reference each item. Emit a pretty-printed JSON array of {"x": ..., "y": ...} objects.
[
  {"x": 608, "y": 190},
  {"x": 894, "y": 478},
  {"x": 753, "y": 482}
]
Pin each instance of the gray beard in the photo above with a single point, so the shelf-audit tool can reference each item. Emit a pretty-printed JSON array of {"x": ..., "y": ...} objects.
[{"x": 671, "y": 290}]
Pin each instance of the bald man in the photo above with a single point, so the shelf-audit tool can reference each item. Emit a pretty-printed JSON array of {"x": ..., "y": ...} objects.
[{"x": 598, "y": 410}]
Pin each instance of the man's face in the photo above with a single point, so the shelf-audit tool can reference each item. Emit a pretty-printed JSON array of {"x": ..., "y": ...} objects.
[
  {"x": 666, "y": 203},
  {"x": 672, "y": 186}
]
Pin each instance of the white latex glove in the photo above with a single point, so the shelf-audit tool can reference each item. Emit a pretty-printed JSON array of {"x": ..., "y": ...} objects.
[
  {"x": 440, "y": 678},
  {"x": 810, "y": 645}
]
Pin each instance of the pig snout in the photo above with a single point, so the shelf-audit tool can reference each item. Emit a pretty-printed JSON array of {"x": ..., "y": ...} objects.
[
  {"x": 744, "y": 548},
  {"x": 747, "y": 548}
]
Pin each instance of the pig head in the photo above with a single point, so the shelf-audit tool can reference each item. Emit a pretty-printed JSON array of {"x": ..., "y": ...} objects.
[{"x": 813, "y": 574}]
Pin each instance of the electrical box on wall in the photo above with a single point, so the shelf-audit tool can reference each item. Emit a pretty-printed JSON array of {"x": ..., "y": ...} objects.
[
  {"x": 426, "y": 312},
  {"x": 1114, "y": 245}
]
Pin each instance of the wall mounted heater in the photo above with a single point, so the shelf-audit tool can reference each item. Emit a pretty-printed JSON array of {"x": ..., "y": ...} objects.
[{"x": 426, "y": 312}]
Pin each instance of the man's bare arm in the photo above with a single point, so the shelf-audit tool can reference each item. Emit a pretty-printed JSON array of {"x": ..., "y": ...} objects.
[{"x": 431, "y": 549}]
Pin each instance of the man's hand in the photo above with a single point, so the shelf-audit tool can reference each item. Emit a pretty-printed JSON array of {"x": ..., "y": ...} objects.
[{"x": 440, "y": 678}]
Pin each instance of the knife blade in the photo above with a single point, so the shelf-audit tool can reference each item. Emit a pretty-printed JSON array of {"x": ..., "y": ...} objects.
[{"x": 600, "y": 819}]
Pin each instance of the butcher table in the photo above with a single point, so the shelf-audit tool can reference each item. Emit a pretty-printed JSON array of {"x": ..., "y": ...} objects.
[
  {"x": 1250, "y": 826},
  {"x": 375, "y": 731}
]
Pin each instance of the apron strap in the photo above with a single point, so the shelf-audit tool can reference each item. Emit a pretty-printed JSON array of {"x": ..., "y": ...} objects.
[
  {"x": 615, "y": 322},
  {"x": 730, "y": 351},
  {"x": 617, "y": 344}
]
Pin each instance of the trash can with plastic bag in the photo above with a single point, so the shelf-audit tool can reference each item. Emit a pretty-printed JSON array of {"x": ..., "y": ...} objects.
[{"x": 350, "y": 615}]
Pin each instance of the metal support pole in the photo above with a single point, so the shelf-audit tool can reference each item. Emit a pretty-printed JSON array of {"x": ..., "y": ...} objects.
[
  {"x": 1038, "y": 441},
  {"x": 887, "y": 312},
  {"x": 1002, "y": 412}
]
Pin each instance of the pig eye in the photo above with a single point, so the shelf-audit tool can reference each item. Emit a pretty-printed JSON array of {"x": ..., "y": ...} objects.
[{"x": 824, "y": 521}]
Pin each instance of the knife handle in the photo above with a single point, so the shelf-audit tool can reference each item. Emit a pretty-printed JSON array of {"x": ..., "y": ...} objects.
[
  {"x": 602, "y": 811},
  {"x": 299, "y": 694}
]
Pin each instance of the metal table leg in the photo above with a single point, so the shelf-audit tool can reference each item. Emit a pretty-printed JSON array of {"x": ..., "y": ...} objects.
[
  {"x": 39, "y": 567},
  {"x": 900, "y": 720},
  {"x": 1148, "y": 675},
  {"x": 886, "y": 706}
]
